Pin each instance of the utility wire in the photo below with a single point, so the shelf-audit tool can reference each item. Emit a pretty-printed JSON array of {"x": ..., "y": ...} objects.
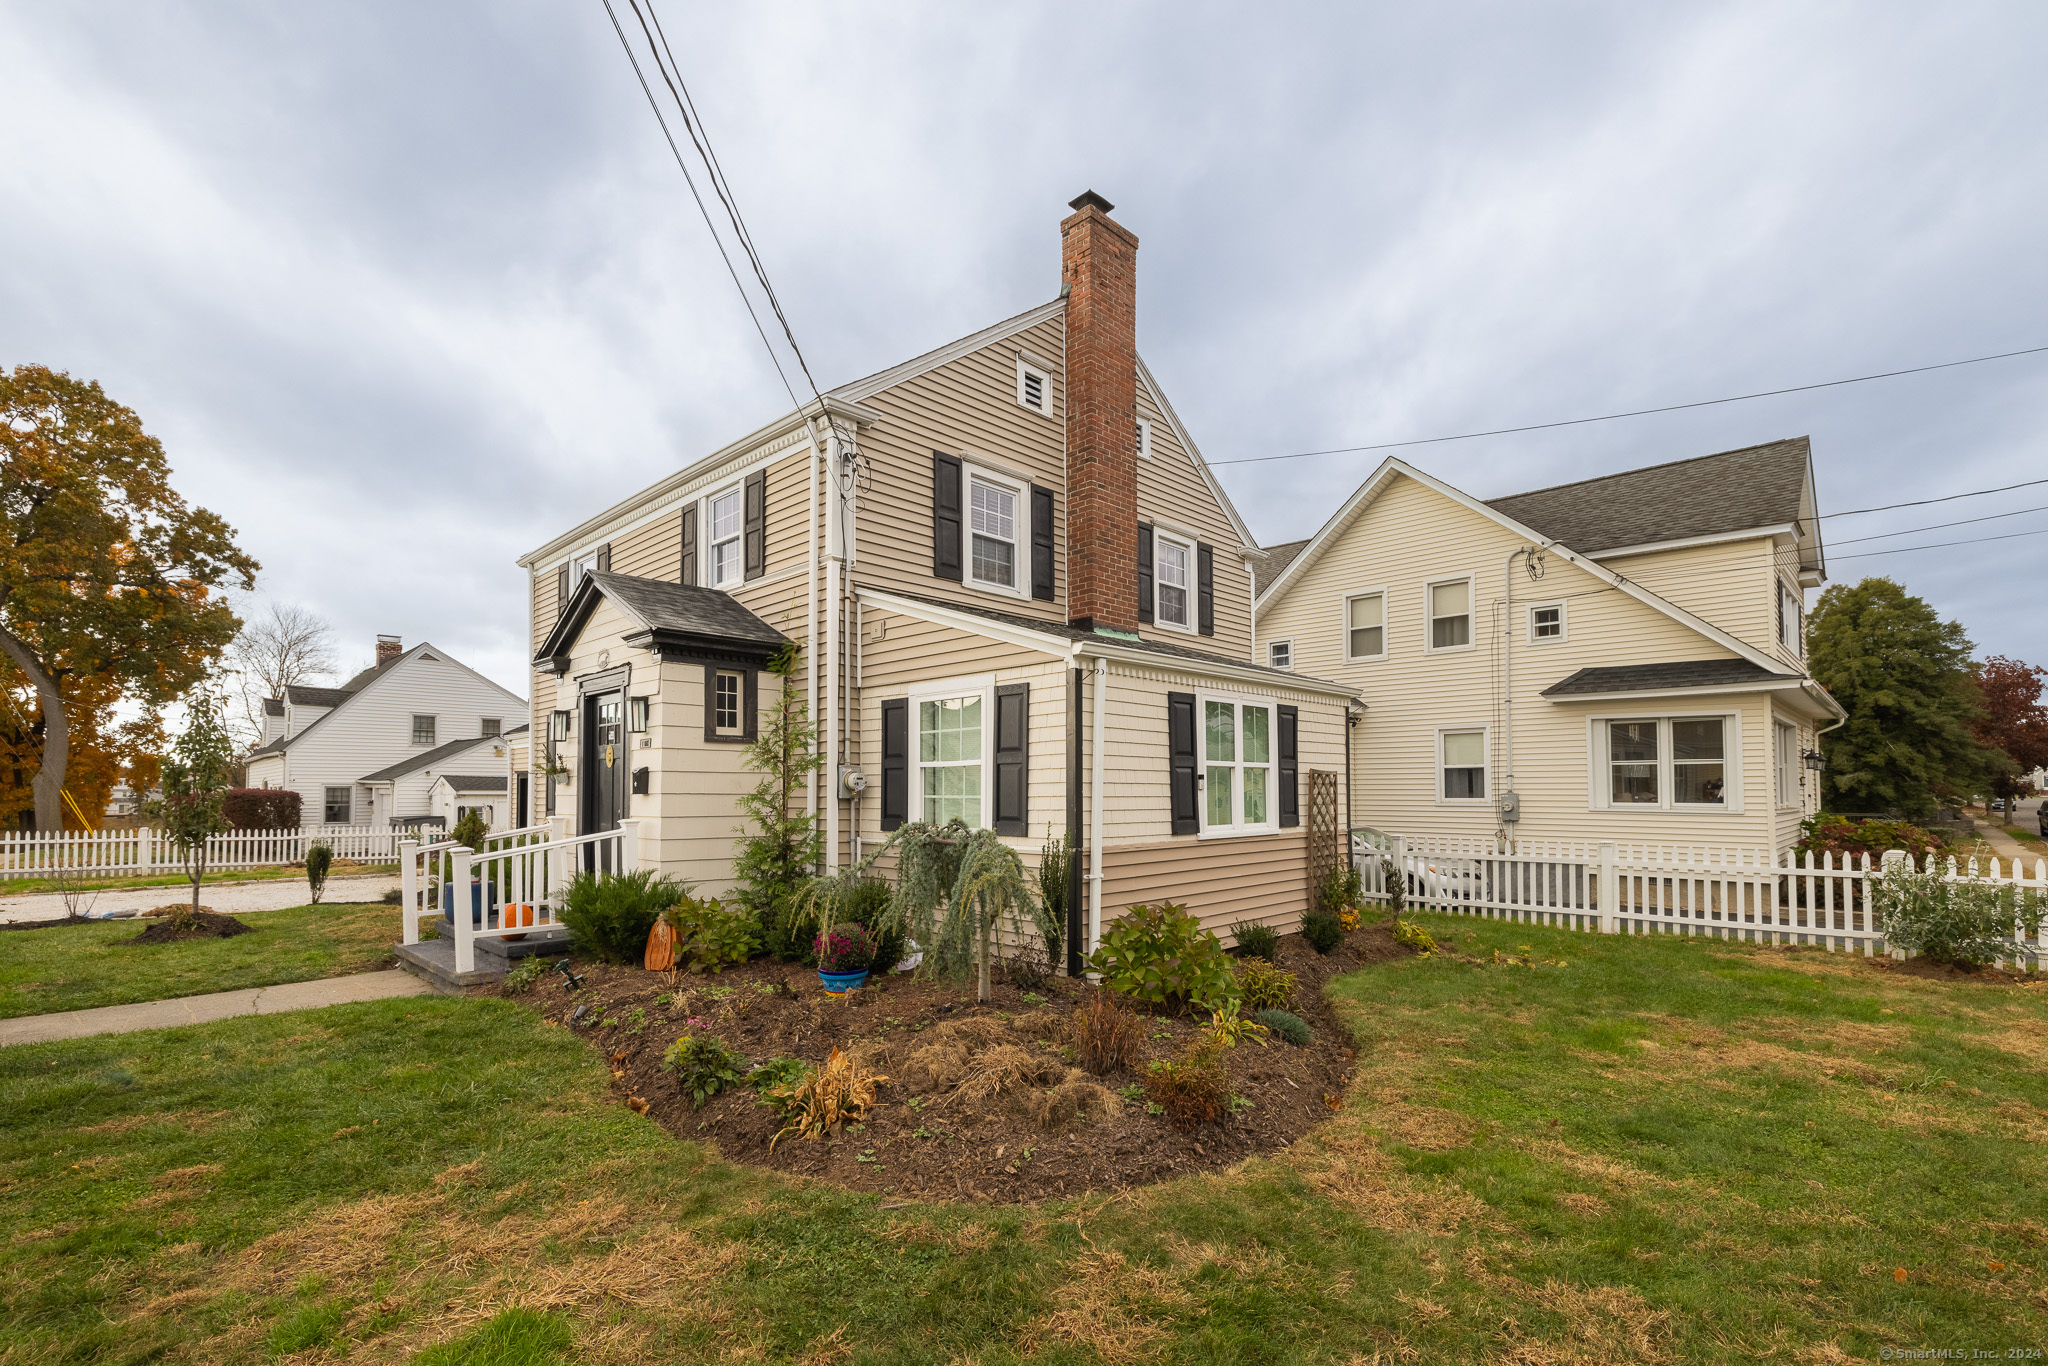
[
  {"x": 1638, "y": 412},
  {"x": 1938, "y": 526},
  {"x": 1938, "y": 545},
  {"x": 1923, "y": 502},
  {"x": 691, "y": 181}
]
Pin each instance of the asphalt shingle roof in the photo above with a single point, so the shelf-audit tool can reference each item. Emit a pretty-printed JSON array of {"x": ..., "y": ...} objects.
[
  {"x": 472, "y": 782},
  {"x": 1695, "y": 673},
  {"x": 666, "y": 609},
  {"x": 1278, "y": 557},
  {"x": 416, "y": 762},
  {"x": 1709, "y": 494},
  {"x": 303, "y": 696},
  {"x": 273, "y": 706}
]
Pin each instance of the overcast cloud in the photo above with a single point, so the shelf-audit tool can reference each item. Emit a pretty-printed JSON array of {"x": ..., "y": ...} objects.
[{"x": 407, "y": 289}]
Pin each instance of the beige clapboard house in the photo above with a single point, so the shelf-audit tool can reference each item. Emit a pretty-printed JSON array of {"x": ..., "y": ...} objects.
[
  {"x": 1022, "y": 598},
  {"x": 1617, "y": 659}
]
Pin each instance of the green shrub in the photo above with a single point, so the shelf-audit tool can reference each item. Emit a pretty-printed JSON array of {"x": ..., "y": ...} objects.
[
  {"x": 778, "y": 1074},
  {"x": 1161, "y": 954},
  {"x": 1256, "y": 941},
  {"x": 1965, "y": 921},
  {"x": 522, "y": 978},
  {"x": 1414, "y": 936},
  {"x": 710, "y": 937},
  {"x": 867, "y": 905},
  {"x": 319, "y": 862},
  {"x": 1264, "y": 986},
  {"x": 1192, "y": 1089},
  {"x": 1292, "y": 1028},
  {"x": 470, "y": 830},
  {"x": 610, "y": 916},
  {"x": 1323, "y": 929},
  {"x": 1341, "y": 886},
  {"x": 703, "y": 1066},
  {"x": 1827, "y": 833}
]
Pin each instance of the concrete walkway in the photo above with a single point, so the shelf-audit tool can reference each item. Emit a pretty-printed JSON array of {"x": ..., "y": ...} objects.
[
  {"x": 229, "y": 898},
  {"x": 221, "y": 1005}
]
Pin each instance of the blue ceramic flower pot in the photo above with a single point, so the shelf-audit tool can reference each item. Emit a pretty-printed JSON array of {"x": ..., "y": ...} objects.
[{"x": 839, "y": 983}]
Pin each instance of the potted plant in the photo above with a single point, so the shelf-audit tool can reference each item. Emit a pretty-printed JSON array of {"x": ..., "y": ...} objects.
[{"x": 845, "y": 953}]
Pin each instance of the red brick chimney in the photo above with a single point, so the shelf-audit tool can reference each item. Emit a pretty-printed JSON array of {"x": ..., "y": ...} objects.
[
  {"x": 388, "y": 649},
  {"x": 1099, "y": 267}
]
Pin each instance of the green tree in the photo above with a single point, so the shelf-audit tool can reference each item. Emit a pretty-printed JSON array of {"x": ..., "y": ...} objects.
[
  {"x": 1903, "y": 674},
  {"x": 773, "y": 864},
  {"x": 196, "y": 779},
  {"x": 107, "y": 577}
]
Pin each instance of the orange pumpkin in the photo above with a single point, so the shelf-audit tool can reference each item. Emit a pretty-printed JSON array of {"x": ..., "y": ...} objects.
[{"x": 661, "y": 946}]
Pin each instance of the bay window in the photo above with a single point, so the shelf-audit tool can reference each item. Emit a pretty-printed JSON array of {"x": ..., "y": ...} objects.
[
  {"x": 1666, "y": 761},
  {"x": 1237, "y": 772}
]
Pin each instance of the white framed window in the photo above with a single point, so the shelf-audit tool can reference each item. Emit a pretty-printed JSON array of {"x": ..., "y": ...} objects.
[
  {"x": 1461, "y": 762},
  {"x": 490, "y": 725},
  {"x": 725, "y": 515},
  {"x": 1664, "y": 763},
  {"x": 1236, "y": 777},
  {"x": 580, "y": 566},
  {"x": 1546, "y": 623},
  {"x": 1790, "y": 607},
  {"x": 1365, "y": 626},
  {"x": 335, "y": 808},
  {"x": 725, "y": 702},
  {"x": 1173, "y": 581},
  {"x": 1280, "y": 654},
  {"x": 994, "y": 545},
  {"x": 1785, "y": 753},
  {"x": 1144, "y": 439},
  {"x": 423, "y": 730},
  {"x": 1448, "y": 604},
  {"x": 1034, "y": 388},
  {"x": 950, "y": 750}
]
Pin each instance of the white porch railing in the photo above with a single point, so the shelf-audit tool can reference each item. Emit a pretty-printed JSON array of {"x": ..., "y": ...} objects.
[
  {"x": 1750, "y": 894},
  {"x": 145, "y": 852},
  {"x": 511, "y": 887}
]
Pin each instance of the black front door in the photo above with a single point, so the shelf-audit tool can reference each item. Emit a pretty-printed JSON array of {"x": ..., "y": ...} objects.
[{"x": 604, "y": 772}]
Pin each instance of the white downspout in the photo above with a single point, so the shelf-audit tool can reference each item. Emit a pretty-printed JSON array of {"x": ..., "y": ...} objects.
[
  {"x": 811, "y": 617},
  {"x": 1095, "y": 736},
  {"x": 828, "y": 724}
]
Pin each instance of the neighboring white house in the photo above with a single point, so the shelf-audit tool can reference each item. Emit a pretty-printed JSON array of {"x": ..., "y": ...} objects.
[
  {"x": 455, "y": 795},
  {"x": 368, "y": 752}
]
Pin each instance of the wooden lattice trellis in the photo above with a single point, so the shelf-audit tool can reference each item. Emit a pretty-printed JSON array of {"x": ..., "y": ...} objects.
[{"x": 1325, "y": 848}]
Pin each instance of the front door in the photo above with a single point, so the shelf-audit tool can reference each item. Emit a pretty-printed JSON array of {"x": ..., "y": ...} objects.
[{"x": 604, "y": 773}]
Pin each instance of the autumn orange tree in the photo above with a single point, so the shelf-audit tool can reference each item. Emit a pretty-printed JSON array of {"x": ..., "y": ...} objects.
[{"x": 110, "y": 583}]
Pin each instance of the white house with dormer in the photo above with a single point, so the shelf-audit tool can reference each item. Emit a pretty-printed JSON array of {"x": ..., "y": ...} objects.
[{"x": 369, "y": 752}]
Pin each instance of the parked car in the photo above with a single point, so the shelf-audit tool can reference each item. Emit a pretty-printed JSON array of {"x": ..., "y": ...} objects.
[{"x": 2042, "y": 812}]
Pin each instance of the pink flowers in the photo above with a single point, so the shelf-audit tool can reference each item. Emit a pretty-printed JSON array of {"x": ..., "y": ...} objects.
[{"x": 845, "y": 948}]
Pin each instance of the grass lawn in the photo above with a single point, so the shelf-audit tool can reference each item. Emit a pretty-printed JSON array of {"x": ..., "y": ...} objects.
[
  {"x": 1662, "y": 1151},
  {"x": 75, "y": 967},
  {"x": 32, "y": 886}
]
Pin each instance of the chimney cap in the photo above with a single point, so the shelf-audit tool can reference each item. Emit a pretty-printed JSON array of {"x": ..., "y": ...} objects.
[
  {"x": 1091, "y": 200},
  {"x": 393, "y": 640}
]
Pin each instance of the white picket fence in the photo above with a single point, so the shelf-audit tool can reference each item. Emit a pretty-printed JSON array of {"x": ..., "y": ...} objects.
[
  {"x": 1616, "y": 888},
  {"x": 511, "y": 886},
  {"x": 122, "y": 853}
]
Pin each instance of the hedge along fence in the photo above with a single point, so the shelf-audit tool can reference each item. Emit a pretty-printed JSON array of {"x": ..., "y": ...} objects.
[{"x": 262, "y": 808}]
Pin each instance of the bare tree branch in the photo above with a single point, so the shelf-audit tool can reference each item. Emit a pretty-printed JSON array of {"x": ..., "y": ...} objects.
[{"x": 284, "y": 646}]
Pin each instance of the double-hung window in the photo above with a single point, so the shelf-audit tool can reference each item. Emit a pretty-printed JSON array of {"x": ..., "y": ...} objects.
[
  {"x": 491, "y": 725},
  {"x": 1172, "y": 567},
  {"x": 1789, "y": 606},
  {"x": 1461, "y": 757},
  {"x": 1365, "y": 626},
  {"x": 992, "y": 528},
  {"x": 423, "y": 730},
  {"x": 950, "y": 758},
  {"x": 1677, "y": 761},
  {"x": 335, "y": 809},
  {"x": 1280, "y": 654},
  {"x": 1450, "y": 615},
  {"x": 1786, "y": 753},
  {"x": 1144, "y": 439},
  {"x": 727, "y": 522},
  {"x": 725, "y": 702},
  {"x": 1237, "y": 773}
]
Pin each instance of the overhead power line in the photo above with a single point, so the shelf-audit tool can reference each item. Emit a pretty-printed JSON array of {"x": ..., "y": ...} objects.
[
  {"x": 1938, "y": 526},
  {"x": 1636, "y": 412},
  {"x": 1939, "y": 545},
  {"x": 1946, "y": 498}
]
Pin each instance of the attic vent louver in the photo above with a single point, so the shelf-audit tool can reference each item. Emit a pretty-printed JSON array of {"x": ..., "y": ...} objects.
[{"x": 1030, "y": 385}]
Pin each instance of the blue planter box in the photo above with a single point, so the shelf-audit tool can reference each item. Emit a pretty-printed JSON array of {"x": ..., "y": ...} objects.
[
  {"x": 839, "y": 983},
  {"x": 477, "y": 892}
]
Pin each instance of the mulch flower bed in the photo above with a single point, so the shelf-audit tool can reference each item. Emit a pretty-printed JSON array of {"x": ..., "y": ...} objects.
[
  {"x": 984, "y": 1102},
  {"x": 208, "y": 924}
]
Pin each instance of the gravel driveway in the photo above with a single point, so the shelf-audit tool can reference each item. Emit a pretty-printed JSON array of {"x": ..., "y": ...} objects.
[{"x": 227, "y": 897}]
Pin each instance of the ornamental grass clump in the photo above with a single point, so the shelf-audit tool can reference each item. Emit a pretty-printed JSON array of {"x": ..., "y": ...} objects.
[
  {"x": 1963, "y": 920},
  {"x": 1162, "y": 955},
  {"x": 1289, "y": 1027},
  {"x": 1105, "y": 1033}
]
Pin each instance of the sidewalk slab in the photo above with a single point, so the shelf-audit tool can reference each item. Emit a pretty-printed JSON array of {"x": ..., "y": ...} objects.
[{"x": 220, "y": 1005}]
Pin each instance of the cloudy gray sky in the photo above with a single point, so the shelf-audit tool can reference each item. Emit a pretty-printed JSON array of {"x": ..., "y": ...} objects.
[{"x": 408, "y": 288}]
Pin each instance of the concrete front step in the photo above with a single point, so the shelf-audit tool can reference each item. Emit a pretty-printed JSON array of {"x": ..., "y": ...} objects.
[{"x": 433, "y": 960}]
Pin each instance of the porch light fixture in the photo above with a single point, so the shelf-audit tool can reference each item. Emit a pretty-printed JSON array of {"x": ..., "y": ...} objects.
[
  {"x": 636, "y": 715},
  {"x": 1814, "y": 760},
  {"x": 558, "y": 725}
]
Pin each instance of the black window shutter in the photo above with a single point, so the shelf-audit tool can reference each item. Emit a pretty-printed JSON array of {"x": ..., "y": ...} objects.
[
  {"x": 689, "y": 574},
  {"x": 1041, "y": 543},
  {"x": 945, "y": 516},
  {"x": 604, "y": 558},
  {"x": 1180, "y": 748},
  {"x": 1144, "y": 572},
  {"x": 1290, "y": 766},
  {"x": 756, "y": 534},
  {"x": 1013, "y": 741},
  {"x": 1205, "y": 587},
  {"x": 561, "y": 591},
  {"x": 895, "y": 762}
]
